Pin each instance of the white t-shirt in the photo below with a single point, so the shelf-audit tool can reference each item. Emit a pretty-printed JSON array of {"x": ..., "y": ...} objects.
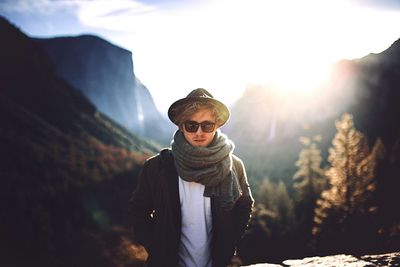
[{"x": 196, "y": 231}]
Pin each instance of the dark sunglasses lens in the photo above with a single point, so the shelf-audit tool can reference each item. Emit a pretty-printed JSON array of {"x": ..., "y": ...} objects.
[
  {"x": 191, "y": 126},
  {"x": 207, "y": 127}
]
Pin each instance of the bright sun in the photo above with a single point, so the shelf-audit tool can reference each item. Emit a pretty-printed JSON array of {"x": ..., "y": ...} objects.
[
  {"x": 225, "y": 45},
  {"x": 302, "y": 77},
  {"x": 294, "y": 53}
]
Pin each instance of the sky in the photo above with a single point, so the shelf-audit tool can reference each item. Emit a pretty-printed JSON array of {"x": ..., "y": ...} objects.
[{"x": 220, "y": 45}]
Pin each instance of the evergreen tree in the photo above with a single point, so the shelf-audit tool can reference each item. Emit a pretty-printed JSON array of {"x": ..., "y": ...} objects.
[
  {"x": 309, "y": 181},
  {"x": 284, "y": 207},
  {"x": 309, "y": 178},
  {"x": 275, "y": 198},
  {"x": 266, "y": 194},
  {"x": 270, "y": 234},
  {"x": 344, "y": 214},
  {"x": 388, "y": 197}
]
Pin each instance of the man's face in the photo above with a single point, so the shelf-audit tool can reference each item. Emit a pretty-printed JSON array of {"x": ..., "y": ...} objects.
[{"x": 200, "y": 138}]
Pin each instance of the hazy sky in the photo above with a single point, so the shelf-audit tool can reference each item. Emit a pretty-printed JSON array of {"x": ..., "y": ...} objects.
[{"x": 221, "y": 45}]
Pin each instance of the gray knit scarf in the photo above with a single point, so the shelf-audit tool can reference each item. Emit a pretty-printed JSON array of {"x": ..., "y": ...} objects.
[{"x": 210, "y": 166}]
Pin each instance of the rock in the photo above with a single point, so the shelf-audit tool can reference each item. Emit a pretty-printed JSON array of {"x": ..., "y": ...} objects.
[
  {"x": 389, "y": 259},
  {"x": 265, "y": 265},
  {"x": 336, "y": 260}
]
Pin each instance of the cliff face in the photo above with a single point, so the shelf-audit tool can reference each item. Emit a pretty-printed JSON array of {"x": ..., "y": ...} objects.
[{"x": 104, "y": 73}]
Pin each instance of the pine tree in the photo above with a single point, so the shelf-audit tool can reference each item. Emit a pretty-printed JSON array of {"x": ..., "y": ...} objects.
[
  {"x": 271, "y": 225},
  {"x": 309, "y": 181},
  {"x": 343, "y": 212},
  {"x": 266, "y": 194},
  {"x": 284, "y": 207},
  {"x": 275, "y": 198},
  {"x": 309, "y": 178},
  {"x": 365, "y": 188}
]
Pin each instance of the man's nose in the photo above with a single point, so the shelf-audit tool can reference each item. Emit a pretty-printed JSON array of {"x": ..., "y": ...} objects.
[{"x": 199, "y": 130}]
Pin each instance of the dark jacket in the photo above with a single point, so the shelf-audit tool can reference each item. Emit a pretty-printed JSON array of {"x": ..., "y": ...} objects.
[{"x": 156, "y": 215}]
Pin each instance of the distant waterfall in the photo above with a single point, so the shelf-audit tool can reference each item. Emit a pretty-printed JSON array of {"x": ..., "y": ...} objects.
[
  {"x": 139, "y": 110},
  {"x": 272, "y": 128}
]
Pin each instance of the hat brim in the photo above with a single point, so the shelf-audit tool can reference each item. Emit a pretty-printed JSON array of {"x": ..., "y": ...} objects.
[{"x": 174, "y": 110}]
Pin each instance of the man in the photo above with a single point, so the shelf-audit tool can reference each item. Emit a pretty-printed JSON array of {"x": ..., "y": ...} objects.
[{"x": 192, "y": 202}]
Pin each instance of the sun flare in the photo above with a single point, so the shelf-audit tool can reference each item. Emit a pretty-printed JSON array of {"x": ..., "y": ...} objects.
[
  {"x": 224, "y": 45},
  {"x": 301, "y": 77}
]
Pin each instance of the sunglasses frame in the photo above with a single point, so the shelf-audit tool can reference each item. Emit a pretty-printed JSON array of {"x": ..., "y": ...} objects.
[{"x": 196, "y": 126}]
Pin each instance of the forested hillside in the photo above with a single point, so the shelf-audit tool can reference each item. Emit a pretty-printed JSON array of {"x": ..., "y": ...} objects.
[
  {"x": 66, "y": 169},
  {"x": 325, "y": 170}
]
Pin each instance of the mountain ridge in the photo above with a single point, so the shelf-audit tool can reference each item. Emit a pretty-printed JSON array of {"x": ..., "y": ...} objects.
[
  {"x": 363, "y": 87},
  {"x": 105, "y": 74}
]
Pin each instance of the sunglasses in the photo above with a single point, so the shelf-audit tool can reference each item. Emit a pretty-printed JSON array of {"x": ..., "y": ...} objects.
[{"x": 193, "y": 126}]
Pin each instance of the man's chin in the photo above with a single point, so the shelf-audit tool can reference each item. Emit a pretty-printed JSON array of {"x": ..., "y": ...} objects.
[{"x": 199, "y": 143}]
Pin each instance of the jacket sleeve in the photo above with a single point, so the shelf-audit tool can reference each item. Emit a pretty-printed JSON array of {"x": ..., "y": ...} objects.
[
  {"x": 141, "y": 209},
  {"x": 244, "y": 205}
]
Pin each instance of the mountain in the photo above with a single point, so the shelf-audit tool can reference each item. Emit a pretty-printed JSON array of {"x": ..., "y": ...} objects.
[
  {"x": 266, "y": 125},
  {"x": 104, "y": 73},
  {"x": 66, "y": 169}
]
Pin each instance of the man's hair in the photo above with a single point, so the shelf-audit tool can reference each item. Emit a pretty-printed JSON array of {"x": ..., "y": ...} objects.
[{"x": 187, "y": 110}]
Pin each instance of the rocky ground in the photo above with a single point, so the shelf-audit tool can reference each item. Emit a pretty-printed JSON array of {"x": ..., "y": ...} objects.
[{"x": 389, "y": 259}]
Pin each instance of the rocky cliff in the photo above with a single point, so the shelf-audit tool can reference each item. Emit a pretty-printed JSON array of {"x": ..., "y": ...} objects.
[{"x": 104, "y": 73}]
